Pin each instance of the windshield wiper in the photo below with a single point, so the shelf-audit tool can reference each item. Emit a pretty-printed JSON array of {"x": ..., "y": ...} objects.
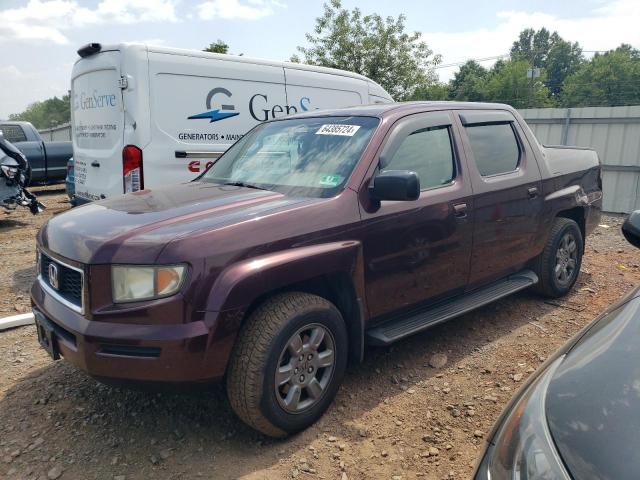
[{"x": 244, "y": 184}]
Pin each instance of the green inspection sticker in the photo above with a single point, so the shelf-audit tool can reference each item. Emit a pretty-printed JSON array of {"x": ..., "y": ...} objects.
[{"x": 330, "y": 180}]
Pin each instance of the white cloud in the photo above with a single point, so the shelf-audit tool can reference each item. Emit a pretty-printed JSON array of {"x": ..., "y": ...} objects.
[
  {"x": 47, "y": 20},
  {"x": 603, "y": 28},
  {"x": 232, "y": 9},
  {"x": 19, "y": 87}
]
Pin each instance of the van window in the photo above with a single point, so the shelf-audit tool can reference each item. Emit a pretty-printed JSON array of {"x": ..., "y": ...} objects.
[
  {"x": 427, "y": 152},
  {"x": 494, "y": 147},
  {"x": 306, "y": 156},
  {"x": 13, "y": 133}
]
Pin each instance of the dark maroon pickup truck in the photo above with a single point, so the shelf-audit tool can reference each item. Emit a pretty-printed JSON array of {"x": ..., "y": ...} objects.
[{"x": 311, "y": 237}]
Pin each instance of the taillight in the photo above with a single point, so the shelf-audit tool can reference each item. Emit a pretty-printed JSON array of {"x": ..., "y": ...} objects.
[{"x": 132, "y": 174}]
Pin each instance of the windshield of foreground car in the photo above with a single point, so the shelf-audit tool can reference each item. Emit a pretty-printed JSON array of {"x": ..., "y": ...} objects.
[{"x": 303, "y": 157}]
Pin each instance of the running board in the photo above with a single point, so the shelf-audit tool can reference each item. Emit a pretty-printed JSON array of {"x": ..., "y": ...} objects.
[{"x": 420, "y": 318}]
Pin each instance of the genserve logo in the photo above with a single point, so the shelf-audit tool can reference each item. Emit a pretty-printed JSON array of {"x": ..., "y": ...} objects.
[
  {"x": 225, "y": 110},
  {"x": 260, "y": 108}
]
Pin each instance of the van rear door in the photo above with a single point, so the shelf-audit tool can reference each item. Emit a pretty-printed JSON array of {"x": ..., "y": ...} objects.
[{"x": 98, "y": 124}]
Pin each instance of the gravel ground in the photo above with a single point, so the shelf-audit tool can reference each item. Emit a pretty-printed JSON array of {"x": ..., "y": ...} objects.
[{"x": 420, "y": 409}]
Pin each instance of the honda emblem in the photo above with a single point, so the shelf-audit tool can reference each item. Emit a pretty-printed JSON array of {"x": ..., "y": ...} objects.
[{"x": 53, "y": 276}]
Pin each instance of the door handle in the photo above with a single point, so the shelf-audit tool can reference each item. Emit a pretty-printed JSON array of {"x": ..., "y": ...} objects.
[
  {"x": 532, "y": 192},
  {"x": 460, "y": 210},
  {"x": 95, "y": 164}
]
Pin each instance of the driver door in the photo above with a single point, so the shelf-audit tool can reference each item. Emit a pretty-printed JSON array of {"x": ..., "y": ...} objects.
[{"x": 416, "y": 251}]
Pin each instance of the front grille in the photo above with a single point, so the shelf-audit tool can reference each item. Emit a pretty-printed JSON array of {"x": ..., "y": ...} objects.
[{"x": 70, "y": 280}]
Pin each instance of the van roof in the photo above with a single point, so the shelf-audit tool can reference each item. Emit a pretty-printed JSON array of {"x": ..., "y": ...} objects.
[{"x": 230, "y": 58}]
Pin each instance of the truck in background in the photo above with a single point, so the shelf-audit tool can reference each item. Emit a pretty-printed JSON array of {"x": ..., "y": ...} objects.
[
  {"x": 145, "y": 116},
  {"x": 48, "y": 160}
]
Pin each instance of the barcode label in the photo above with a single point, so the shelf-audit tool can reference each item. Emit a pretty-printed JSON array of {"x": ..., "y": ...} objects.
[{"x": 335, "y": 129}]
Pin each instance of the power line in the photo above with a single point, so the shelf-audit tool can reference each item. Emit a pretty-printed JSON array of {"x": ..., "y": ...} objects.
[
  {"x": 485, "y": 59},
  {"x": 497, "y": 57}
]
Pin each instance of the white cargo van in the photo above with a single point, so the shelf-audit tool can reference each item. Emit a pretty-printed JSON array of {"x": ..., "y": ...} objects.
[{"x": 145, "y": 116}]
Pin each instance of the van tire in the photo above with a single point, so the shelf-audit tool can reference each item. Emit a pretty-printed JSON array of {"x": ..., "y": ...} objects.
[
  {"x": 549, "y": 285},
  {"x": 258, "y": 352}
]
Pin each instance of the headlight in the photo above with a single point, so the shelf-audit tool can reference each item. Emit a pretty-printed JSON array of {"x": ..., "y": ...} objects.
[
  {"x": 522, "y": 448},
  {"x": 135, "y": 283}
]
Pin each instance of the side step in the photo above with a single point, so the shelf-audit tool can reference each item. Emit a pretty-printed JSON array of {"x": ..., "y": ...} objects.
[{"x": 420, "y": 318}]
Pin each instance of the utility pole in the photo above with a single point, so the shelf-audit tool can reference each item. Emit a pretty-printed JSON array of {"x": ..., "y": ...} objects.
[{"x": 531, "y": 74}]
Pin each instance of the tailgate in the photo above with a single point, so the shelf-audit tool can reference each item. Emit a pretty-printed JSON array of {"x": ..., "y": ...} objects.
[{"x": 98, "y": 125}]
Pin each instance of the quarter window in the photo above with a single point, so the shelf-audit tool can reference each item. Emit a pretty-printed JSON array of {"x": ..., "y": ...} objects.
[
  {"x": 494, "y": 147},
  {"x": 13, "y": 133},
  {"x": 427, "y": 152}
]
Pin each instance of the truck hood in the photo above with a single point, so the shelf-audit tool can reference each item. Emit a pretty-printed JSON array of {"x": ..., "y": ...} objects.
[
  {"x": 593, "y": 400},
  {"x": 134, "y": 228}
]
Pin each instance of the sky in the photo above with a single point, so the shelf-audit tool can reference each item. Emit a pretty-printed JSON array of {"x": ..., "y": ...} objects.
[{"x": 39, "y": 38}]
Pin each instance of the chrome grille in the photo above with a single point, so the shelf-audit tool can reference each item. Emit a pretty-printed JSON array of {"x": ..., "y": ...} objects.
[{"x": 69, "y": 284}]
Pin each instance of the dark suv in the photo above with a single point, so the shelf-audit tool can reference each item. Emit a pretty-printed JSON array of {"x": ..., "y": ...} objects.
[{"x": 309, "y": 238}]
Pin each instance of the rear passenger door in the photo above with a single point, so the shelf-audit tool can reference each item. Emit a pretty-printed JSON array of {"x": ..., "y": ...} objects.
[
  {"x": 506, "y": 183},
  {"x": 419, "y": 250}
]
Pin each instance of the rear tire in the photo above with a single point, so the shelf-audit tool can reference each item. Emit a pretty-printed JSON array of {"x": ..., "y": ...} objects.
[
  {"x": 558, "y": 266},
  {"x": 288, "y": 363}
]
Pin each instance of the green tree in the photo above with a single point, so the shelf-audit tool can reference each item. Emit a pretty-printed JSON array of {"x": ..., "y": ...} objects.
[
  {"x": 532, "y": 46},
  {"x": 551, "y": 52},
  {"x": 563, "y": 59},
  {"x": 372, "y": 46},
  {"x": 469, "y": 83},
  {"x": 508, "y": 83},
  {"x": 608, "y": 79},
  {"x": 46, "y": 114},
  {"x": 433, "y": 91},
  {"x": 218, "y": 47}
]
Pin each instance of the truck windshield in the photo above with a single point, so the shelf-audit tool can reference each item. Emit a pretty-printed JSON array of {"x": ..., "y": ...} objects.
[{"x": 302, "y": 157}]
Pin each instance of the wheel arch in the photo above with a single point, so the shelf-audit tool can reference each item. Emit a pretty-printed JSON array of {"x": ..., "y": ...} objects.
[
  {"x": 578, "y": 215},
  {"x": 333, "y": 271}
]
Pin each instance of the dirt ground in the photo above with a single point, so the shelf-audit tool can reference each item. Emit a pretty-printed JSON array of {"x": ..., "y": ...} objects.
[{"x": 395, "y": 417}]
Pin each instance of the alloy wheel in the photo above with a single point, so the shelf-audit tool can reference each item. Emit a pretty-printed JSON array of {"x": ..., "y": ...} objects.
[
  {"x": 305, "y": 368},
  {"x": 566, "y": 260}
]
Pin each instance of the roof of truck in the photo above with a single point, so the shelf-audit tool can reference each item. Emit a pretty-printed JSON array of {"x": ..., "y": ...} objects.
[{"x": 384, "y": 109}]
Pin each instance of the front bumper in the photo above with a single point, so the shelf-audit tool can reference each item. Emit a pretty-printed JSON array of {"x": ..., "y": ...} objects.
[{"x": 174, "y": 353}]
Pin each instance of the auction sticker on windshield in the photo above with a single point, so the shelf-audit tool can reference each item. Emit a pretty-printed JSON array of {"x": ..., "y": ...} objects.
[{"x": 336, "y": 129}]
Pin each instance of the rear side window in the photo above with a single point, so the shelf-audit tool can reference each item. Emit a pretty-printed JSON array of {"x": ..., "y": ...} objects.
[
  {"x": 13, "y": 133},
  {"x": 494, "y": 147},
  {"x": 427, "y": 152}
]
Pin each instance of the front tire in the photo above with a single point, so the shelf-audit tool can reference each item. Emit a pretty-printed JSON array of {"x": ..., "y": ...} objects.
[
  {"x": 288, "y": 363},
  {"x": 559, "y": 263}
]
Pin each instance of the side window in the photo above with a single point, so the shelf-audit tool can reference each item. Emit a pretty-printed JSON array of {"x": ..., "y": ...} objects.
[
  {"x": 494, "y": 147},
  {"x": 427, "y": 152},
  {"x": 13, "y": 133}
]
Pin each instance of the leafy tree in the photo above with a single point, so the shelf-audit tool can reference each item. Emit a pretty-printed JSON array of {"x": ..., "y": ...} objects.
[
  {"x": 608, "y": 79},
  {"x": 46, "y": 114},
  {"x": 433, "y": 91},
  {"x": 550, "y": 52},
  {"x": 508, "y": 83},
  {"x": 217, "y": 47},
  {"x": 532, "y": 46},
  {"x": 563, "y": 59},
  {"x": 469, "y": 83},
  {"x": 372, "y": 46}
]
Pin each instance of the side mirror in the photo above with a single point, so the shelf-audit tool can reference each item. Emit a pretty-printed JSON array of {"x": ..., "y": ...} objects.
[
  {"x": 395, "y": 185},
  {"x": 631, "y": 229}
]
